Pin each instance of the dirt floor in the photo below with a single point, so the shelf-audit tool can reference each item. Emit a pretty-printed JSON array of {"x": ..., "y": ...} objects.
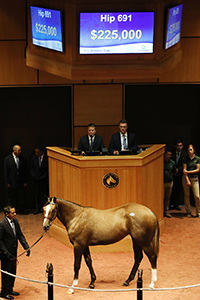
[{"x": 178, "y": 265}]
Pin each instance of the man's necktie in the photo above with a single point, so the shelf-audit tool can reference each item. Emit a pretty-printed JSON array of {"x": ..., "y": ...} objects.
[
  {"x": 13, "y": 227},
  {"x": 40, "y": 162},
  {"x": 177, "y": 157},
  {"x": 17, "y": 162},
  {"x": 124, "y": 143},
  {"x": 92, "y": 142}
]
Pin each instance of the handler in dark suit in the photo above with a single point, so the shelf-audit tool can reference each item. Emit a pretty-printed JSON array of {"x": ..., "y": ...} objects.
[
  {"x": 91, "y": 141},
  {"x": 39, "y": 173},
  {"x": 10, "y": 233},
  {"x": 16, "y": 177},
  {"x": 178, "y": 156},
  {"x": 122, "y": 140}
]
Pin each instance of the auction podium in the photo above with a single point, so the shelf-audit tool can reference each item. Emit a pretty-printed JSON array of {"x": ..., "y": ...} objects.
[{"x": 105, "y": 182}]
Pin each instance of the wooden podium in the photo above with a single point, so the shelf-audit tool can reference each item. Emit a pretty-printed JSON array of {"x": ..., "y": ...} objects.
[{"x": 105, "y": 182}]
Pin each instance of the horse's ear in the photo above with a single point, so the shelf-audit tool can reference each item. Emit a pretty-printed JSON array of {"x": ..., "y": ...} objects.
[
  {"x": 47, "y": 199},
  {"x": 54, "y": 199}
]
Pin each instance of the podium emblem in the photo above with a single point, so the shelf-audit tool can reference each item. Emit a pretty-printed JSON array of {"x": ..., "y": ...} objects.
[{"x": 111, "y": 180}]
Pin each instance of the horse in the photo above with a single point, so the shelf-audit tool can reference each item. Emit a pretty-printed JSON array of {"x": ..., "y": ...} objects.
[{"x": 87, "y": 226}]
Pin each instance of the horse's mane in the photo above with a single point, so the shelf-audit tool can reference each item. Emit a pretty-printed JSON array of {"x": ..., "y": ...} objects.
[{"x": 64, "y": 200}]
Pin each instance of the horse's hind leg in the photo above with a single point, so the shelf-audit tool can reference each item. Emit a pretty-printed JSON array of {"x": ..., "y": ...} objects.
[
  {"x": 153, "y": 260},
  {"x": 88, "y": 261},
  {"x": 138, "y": 257}
]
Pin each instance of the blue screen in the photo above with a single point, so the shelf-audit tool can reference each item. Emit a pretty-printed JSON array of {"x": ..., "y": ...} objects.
[
  {"x": 46, "y": 28},
  {"x": 111, "y": 33},
  {"x": 174, "y": 26}
]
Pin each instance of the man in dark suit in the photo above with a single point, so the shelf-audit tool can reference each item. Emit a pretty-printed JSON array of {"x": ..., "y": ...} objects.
[
  {"x": 16, "y": 177},
  {"x": 39, "y": 173},
  {"x": 178, "y": 156},
  {"x": 91, "y": 141},
  {"x": 10, "y": 234},
  {"x": 123, "y": 140}
]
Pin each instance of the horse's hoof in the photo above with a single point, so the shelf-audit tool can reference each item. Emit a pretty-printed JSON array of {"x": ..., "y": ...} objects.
[
  {"x": 126, "y": 283},
  {"x": 91, "y": 286},
  {"x": 70, "y": 292},
  {"x": 151, "y": 286}
]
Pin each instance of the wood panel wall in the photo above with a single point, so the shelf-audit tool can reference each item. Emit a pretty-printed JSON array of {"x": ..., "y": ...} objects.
[
  {"x": 99, "y": 104},
  {"x": 13, "y": 20},
  {"x": 13, "y": 69}
]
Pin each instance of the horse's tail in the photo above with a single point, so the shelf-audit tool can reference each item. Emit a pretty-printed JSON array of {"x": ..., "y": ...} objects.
[{"x": 155, "y": 241}]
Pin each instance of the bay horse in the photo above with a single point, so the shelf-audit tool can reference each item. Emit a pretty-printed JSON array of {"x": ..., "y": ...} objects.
[{"x": 87, "y": 226}]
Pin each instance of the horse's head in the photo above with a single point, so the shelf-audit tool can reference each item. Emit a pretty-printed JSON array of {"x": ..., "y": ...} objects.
[
  {"x": 50, "y": 211},
  {"x": 110, "y": 180}
]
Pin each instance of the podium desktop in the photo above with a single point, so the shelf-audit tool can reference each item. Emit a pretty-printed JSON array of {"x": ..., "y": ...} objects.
[{"x": 107, "y": 181}]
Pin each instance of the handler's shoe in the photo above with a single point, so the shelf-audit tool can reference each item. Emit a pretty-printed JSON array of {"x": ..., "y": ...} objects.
[{"x": 14, "y": 293}]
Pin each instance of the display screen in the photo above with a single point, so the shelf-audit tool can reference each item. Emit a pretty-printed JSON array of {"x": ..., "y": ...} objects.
[
  {"x": 173, "y": 32},
  {"x": 46, "y": 28},
  {"x": 112, "y": 33}
]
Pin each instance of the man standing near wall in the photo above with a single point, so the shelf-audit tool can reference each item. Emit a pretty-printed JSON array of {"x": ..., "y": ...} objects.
[
  {"x": 178, "y": 156},
  {"x": 169, "y": 170},
  {"x": 39, "y": 173},
  {"x": 16, "y": 177}
]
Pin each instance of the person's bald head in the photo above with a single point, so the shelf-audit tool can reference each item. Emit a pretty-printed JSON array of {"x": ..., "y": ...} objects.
[{"x": 17, "y": 150}]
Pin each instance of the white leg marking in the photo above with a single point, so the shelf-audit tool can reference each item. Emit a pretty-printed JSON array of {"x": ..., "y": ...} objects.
[
  {"x": 153, "y": 278},
  {"x": 71, "y": 290},
  {"x": 75, "y": 282}
]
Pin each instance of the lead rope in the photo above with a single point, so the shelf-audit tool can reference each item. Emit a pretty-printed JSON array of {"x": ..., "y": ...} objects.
[
  {"x": 30, "y": 247},
  {"x": 33, "y": 244}
]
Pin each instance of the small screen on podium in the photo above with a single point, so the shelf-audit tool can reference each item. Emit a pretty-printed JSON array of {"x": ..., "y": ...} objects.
[
  {"x": 113, "y": 33},
  {"x": 46, "y": 25},
  {"x": 173, "y": 28}
]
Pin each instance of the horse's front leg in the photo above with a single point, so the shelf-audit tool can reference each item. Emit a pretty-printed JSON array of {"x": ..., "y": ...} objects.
[
  {"x": 78, "y": 251},
  {"x": 88, "y": 261}
]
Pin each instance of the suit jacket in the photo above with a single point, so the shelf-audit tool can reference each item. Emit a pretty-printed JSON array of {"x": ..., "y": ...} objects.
[
  {"x": 179, "y": 165},
  {"x": 13, "y": 176},
  {"x": 115, "y": 142},
  {"x": 84, "y": 145},
  {"x": 39, "y": 174},
  {"x": 8, "y": 241}
]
